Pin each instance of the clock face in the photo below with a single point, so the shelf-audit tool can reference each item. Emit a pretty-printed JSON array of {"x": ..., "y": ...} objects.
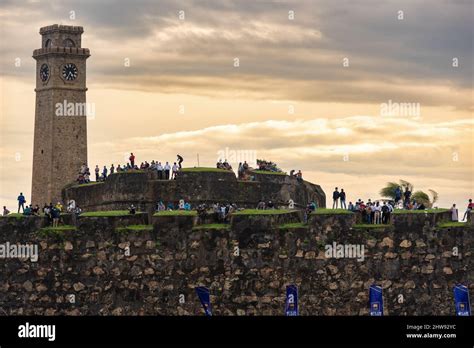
[
  {"x": 69, "y": 72},
  {"x": 44, "y": 72}
]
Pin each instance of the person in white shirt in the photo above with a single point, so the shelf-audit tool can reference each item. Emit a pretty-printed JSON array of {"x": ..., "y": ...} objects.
[
  {"x": 175, "y": 170},
  {"x": 97, "y": 173},
  {"x": 454, "y": 213},
  {"x": 167, "y": 171},
  {"x": 159, "y": 169},
  {"x": 378, "y": 213}
]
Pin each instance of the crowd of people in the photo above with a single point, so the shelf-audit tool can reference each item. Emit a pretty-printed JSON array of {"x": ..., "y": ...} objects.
[
  {"x": 164, "y": 171},
  {"x": 380, "y": 213},
  {"x": 223, "y": 165},
  {"x": 377, "y": 212},
  {"x": 268, "y": 166}
]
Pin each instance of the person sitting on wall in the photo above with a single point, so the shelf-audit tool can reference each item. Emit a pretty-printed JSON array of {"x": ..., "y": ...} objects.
[
  {"x": 469, "y": 208},
  {"x": 36, "y": 210},
  {"x": 80, "y": 179},
  {"x": 187, "y": 206},
  {"x": 270, "y": 205},
  {"x": 132, "y": 210},
  {"x": 299, "y": 176},
  {"x": 313, "y": 205},
  {"x": 261, "y": 205},
  {"x": 27, "y": 210},
  {"x": 160, "y": 206},
  {"x": 170, "y": 206},
  {"x": 5, "y": 211},
  {"x": 351, "y": 207}
]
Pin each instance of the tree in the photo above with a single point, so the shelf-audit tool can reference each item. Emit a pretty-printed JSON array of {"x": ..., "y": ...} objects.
[
  {"x": 422, "y": 197},
  {"x": 419, "y": 196},
  {"x": 389, "y": 190}
]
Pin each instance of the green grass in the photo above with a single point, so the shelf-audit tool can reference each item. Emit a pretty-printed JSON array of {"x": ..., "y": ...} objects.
[
  {"x": 331, "y": 211},
  {"x": 129, "y": 171},
  {"x": 405, "y": 211},
  {"x": 176, "y": 213},
  {"x": 451, "y": 224},
  {"x": 92, "y": 183},
  {"x": 55, "y": 231},
  {"x": 263, "y": 212},
  {"x": 204, "y": 169},
  {"x": 268, "y": 172},
  {"x": 135, "y": 228},
  {"x": 17, "y": 215},
  {"x": 212, "y": 227},
  {"x": 364, "y": 226},
  {"x": 293, "y": 225},
  {"x": 108, "y": 213}
]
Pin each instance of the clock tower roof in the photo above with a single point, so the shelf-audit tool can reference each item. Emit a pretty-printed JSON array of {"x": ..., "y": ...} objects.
[{"x": 61, "y": 28}]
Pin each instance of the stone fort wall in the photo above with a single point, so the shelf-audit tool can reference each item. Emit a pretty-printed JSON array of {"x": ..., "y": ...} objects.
[
  {"x": 144, "y": 190},
  {"x": 413, "y": 258}
]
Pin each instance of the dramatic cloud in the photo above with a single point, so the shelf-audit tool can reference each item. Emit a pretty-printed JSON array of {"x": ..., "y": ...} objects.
[{"x": 283, "y": 65}]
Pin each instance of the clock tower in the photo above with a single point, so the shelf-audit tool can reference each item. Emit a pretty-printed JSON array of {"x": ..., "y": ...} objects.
[{"x": 60, "y": 138}]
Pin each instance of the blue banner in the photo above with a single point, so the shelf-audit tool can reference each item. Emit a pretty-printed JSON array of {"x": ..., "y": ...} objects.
[
  {"x": 291, "y": 307},
  {"x": 205, "y": 298},
  {"x": 376, "y": 301},
  {"x": 461, "y": 301}
]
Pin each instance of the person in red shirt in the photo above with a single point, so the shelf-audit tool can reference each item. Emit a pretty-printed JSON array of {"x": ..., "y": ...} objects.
[
  {"x": 132, "y": 160},
  {"x": 470, "y": 206}
]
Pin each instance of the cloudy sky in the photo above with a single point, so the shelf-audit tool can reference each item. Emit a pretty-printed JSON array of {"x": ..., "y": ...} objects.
[{"x": 301, "y": 83}]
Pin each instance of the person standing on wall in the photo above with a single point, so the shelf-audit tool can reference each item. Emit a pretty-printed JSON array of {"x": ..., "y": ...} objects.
[
  {"x": 21, "y": 202},
  {"x": 454, "y": 213},
  {"x": 335, "y": 198},
  {"x": 167, "y": 171},
  {"x": 342, "y": 196},
  {"x": 132, "y": 160}
]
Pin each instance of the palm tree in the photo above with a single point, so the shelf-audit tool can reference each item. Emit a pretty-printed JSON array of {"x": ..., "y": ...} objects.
[
  {"x": 419, "y": 196},
  {"x": 422, "y": 197},
  {"x": 389, "y": 190}
]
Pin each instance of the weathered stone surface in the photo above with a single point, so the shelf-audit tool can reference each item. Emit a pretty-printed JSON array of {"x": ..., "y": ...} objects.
[
  {"x": 173, "y": 258},
  {"x": 142, "y": 189}
]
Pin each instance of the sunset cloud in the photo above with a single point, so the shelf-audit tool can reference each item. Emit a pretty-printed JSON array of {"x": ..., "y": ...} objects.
[{"x": 284, "y": 65}]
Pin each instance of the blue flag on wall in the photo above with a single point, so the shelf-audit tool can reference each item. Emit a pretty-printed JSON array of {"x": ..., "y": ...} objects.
[
  {"x": 376, "y": 301},
  {"x": 291, "y": 307},
  {"x": 205, "y": 298},
  {"x": 461, "y": 300}
]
